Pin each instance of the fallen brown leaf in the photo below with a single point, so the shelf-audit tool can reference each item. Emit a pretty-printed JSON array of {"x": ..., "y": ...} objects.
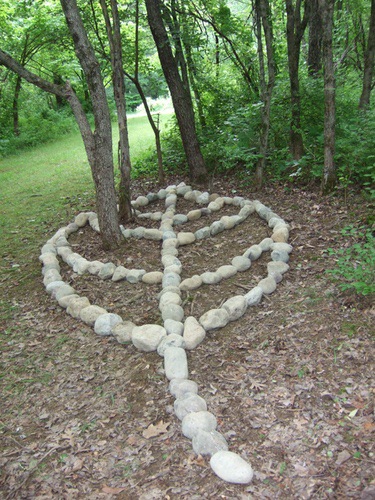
[{"x": 155, "y": 430}]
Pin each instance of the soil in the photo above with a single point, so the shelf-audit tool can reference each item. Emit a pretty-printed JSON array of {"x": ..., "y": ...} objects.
[{"x": 291, "y": 383}]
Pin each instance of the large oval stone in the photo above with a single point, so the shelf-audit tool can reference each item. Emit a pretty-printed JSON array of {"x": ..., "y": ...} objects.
[{"x": 231, "y": 467}]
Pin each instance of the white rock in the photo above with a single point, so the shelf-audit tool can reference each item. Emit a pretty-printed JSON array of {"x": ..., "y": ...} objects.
[
  {"x": 82, "y": 219},
  {"x": 76, "y": 305},
  {"x": 123, "y": 332},
  {"x": 188, "y": 403},
  {"x": 284, "y": 247},
  {"x": 231, "y": 467},
  {"x": 153, "y": 277},
  {"x": 171, "y": 279},
  {"x": 135, "y": 275},
  {"x": 168, "y": 298},
  {"x": 146, "y": 338},
  {"x": 210, "y": 278},
  {"x": 236, "y": 307},
  {"x": 279, "y": 256},
  {"x": 194, "y": 333},
  {"x": 65, "y": 301},
  {"x": 106, "y": 272},
  {"x": 172, "y": 311},
  {"x": 196, "y": 421},
  {"x": 153, "y": 234},
  {"x": 254, "y": 252},
  {"x": 180, "y": 386},
  {"x": 268, "y": 285},
  {"x": 175, "y": 363},
  {"x": 185, "y": 238},
  {"x": 202, "y": 233},
  {"x": 208, "y": 442},
  {"x": 120, "y": 273},
  {"x": 217, "y": 227},
  {"x": 105, "y": 323},
  {"x": 279, "y": 267},
  {"x": 266, "y": 244},
  {"x": 241, "y": 263},
  {"x": 226, "y": 271},
  {"x": 280, "y": 234},
  {"x": 191, "y": 283},
  {"x": 254, "y": 297},
  {"x": 173, "y": 327},
  {"x": 63, "y": 291},
  {"x": 172, "y": 340},
  {"x": 227, "y": 221},
  {"x": 91, "y": 313},
  {"x": 194, "y": 214},
  {"x": 215, "y": 318},
  {"x": 95, "y": 267},
  {"x": 52, "y": 286}
]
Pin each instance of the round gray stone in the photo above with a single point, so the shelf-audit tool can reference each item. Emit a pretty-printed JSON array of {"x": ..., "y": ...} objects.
[
  {"x": 236, "y": 307},
  {"x": 216, "y": 227},
  {"x": 123, "y": 332},
  {"x": 194, "y": 333},
  {"x": 105, "y": 323},
  {"x": 106, "y": 272},
  {"x": 196, "y": 421},
  {"x": 210, "y": 278},
  {"x": 279, "y": 267},
  {"x": 268, "y": 285},
  {"x": 188, "y": 403},
  {"x": 76, "y": 305},
  {"x": 91, "y": 313},
  {"x": 241, "y": 263},
  {"x": 226, "y": 271},
  {"x": 208, "y": 442},
  {"x": 215, "y": 318},
  {"x": 185, "y": 238},
  {"x": 191, "y": 283},
  {"x": 180, "y": 386},
  {"x": 152, "y": 277},
  {"x": 146, "y": 338},
  {"x": 279, "y": 256},
  {"x": 173, "y": 327},
  {"x": 254, "y": 252},
  {"x": 172, "y": 311},
  {"x": 171, "y": 340},
  {"x": 135, "y": 275}
]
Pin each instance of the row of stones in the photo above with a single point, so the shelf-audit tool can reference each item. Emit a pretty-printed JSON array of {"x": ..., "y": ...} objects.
[
  {"x": 171, "y": 341},
  {"x": 197, "y": 423}
]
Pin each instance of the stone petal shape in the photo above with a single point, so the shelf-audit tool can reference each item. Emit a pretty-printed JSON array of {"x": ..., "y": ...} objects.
[
  {"x": 236, "y": 307},
  {"x": 194, "y": 333},
  {"x": 91, "y": 313},
  {"x": 196, "y": 421},
  {"x": 146, "y": 338},
  {"x": 180, "y": 386},
  {"x": 189, "y": 403},
  {"x": 231, "y": 467},
  {"x": 105, "y": 323},
  {"x": 208, "y": 442},
  {"x": 175, "y": 363},
  {"x": 123, "y": 332},
  {"x": 214, "y": 318}
]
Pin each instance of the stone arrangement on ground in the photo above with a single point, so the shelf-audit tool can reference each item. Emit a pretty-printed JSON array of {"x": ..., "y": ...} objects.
[{"x": 178, "y": 333}]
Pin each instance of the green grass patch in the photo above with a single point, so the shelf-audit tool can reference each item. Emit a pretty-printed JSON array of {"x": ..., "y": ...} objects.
[{"x": 43, "y": 188}]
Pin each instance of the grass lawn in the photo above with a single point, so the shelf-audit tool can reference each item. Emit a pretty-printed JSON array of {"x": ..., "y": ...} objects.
[{"x": 41, "y": 190}]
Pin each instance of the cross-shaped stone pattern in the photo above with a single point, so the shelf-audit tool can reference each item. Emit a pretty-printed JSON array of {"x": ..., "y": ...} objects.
[{"x": 178, "y": 333}]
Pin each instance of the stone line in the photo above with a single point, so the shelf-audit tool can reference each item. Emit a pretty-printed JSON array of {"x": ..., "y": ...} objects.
[{"x": 177, "y": 334}]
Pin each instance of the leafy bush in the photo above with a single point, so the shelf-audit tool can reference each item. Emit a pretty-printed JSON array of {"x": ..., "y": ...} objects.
[{"x": 355, "y": 265}]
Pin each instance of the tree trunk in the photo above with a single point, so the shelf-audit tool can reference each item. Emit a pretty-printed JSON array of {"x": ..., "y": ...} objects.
[
  {"x": 16, "y": 95},
  {"x": 294, "y": 32},
  {"x": 368, "y": 72},
  {"x": 102, "y": 155},
  {"x": 314, "y": 55},
  {"x": 114, "y": 38},
  {"x": 329, "y": 170},
  {"x": 263, "y": 18},
  {"x": 180, "y": 97}
]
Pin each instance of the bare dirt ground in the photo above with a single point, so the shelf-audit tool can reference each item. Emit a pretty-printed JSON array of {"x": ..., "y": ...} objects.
[{"x": 291, "y": 383}]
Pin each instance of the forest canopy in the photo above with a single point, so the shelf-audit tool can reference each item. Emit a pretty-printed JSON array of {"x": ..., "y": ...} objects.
[{"x": 278, "y": 90}]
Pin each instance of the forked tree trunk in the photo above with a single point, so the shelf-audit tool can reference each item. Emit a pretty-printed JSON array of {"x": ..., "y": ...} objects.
[
  {"x": 180, "y": 96},
  {"x": 329, "y": 169}
]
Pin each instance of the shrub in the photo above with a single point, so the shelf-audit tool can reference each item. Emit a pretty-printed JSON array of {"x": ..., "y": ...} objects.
[{"x": 355, "y": 264}]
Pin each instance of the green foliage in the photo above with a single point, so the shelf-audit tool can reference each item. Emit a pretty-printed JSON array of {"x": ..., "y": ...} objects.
[{"x": 355, "y": 264}]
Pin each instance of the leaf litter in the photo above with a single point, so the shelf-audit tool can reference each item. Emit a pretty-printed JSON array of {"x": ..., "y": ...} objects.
[{"x": 291, "y": 384}]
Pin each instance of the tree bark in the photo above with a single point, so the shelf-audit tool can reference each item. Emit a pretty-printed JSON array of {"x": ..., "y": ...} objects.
[
  {"x": 114, "y": 38},
  {"x": 329, "y": 170},
  {"x": 180, "y": 96},
  {"x": 263, "y": 18},
  {"x": 368, "y": 72},
  {"x": 314, "y": 55},
  {"x": 294, "y": 31}
]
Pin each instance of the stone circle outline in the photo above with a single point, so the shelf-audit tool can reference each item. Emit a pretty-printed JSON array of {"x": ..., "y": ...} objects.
[{"x": 172, "y": 340}]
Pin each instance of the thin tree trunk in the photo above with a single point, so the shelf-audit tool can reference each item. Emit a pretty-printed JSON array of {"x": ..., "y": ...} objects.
[
  {"x": 16, "y": 96},
  {"x": 314, "y": 55},
  {"x": 368, "y": 72},
  {"x": 180, "y": 97},
  {"x": 294, "y": 32},
  {"x": 114, "y": 37},
  {"x": 263, "y": 18},
  {"x": 329, "y": 170}
]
